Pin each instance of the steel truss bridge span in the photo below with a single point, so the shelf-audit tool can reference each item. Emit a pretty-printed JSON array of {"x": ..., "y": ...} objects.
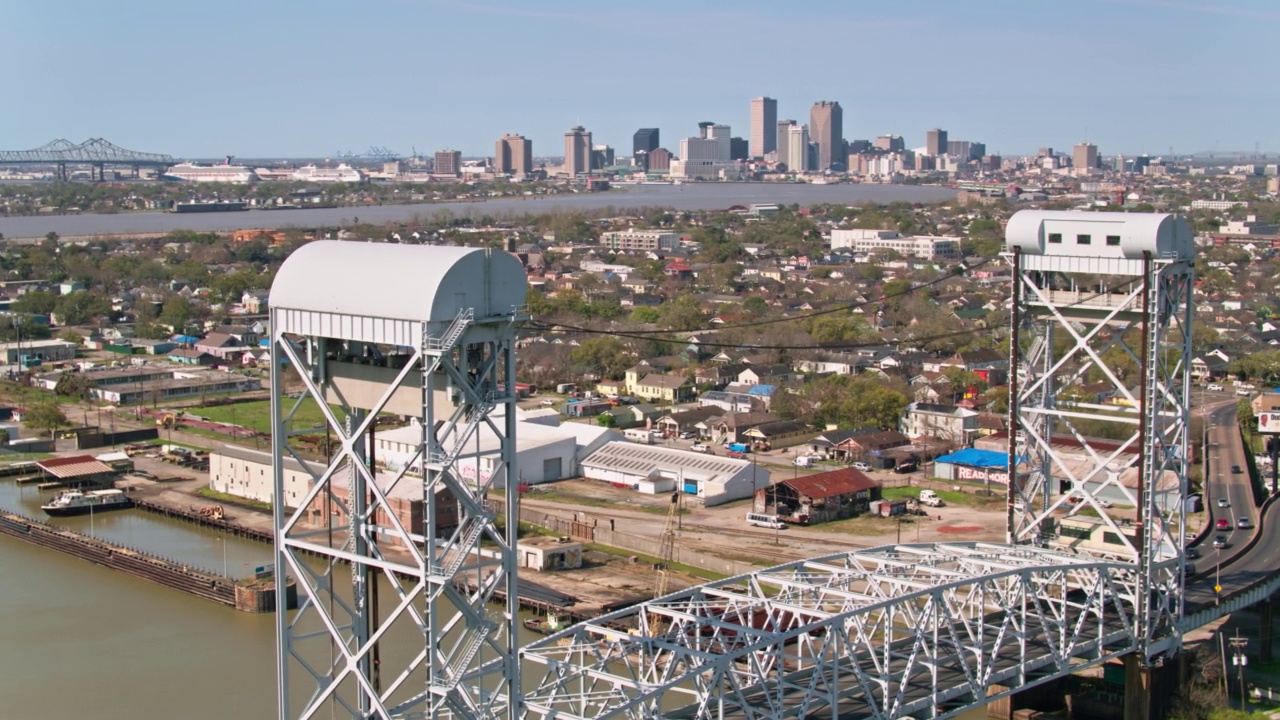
[
  {"x": 905, "y": 630},
  {"x": 95, "y": 152}
]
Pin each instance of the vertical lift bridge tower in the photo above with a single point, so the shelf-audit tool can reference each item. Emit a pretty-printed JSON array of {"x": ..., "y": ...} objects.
[
  {"x": 1104, "y": 297},
  {"x": 425, "y": 333}
]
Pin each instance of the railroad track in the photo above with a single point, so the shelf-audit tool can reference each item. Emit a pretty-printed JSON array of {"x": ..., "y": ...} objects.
[{"x": 768, "y": 535}]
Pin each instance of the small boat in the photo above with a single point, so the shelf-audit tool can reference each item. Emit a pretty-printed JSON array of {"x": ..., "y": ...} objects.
[
  {"x": 544, "y": 625},
  {"x": 76, "y": 502}
]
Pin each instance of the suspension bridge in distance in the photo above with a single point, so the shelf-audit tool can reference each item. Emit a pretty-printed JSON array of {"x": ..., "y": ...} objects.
[{"x": 96, "y": 154}]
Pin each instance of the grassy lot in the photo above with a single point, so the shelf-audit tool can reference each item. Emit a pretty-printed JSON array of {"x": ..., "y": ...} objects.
[
  {"x": 950, "y": 497},
  {"x": 232, "y": 499},
  {"x": 650, "y": 560},
  {"x": 256, "y": 415},
  {"x": 866, "y": 525}
]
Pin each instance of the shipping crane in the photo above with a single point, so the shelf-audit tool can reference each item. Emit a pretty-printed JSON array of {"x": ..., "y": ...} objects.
[{"x": 662, "y": 569}]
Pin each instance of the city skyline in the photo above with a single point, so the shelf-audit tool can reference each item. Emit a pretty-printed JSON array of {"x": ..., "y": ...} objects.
[{"x": 387, "y": 92}]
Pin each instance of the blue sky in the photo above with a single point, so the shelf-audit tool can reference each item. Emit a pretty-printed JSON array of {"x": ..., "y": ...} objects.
[{"x": 259, "y": 78}]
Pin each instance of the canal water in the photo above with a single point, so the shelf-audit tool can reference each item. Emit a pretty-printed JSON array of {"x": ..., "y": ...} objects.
[{"x": 81, "y": 641}]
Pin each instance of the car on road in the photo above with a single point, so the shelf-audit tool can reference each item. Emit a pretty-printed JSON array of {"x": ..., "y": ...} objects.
[
  {"x": 699, "y": 447},
  {"x": 1235, "y": 469},
  {"x": 862, "y": 467},
  {"x": 1191, "y": 553},
  {"x": 906, "y": 467},
  {"x": 1223, "y": 524},
  {"x": 548, "y": 401},
  {"x": 1223, "y": 502},
  {"x": 735, "y": 454},
  {"x": 1244, "y": 523},
  {"x": 1220, "y": 541},
  {"x": 1214, "y": 388},
  {"x": 688, "y": 435}
]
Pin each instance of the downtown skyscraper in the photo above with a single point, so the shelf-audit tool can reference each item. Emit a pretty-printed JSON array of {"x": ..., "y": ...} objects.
[
  {"x": 577, "y": 151},
  {"x": 826, "y": 127},
  {"x": 764, "y": 123}
]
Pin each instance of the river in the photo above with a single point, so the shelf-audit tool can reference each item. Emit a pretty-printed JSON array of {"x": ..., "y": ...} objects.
[
  {"x": 82, "y": 641},
  {"x": 696, "y": 196}
]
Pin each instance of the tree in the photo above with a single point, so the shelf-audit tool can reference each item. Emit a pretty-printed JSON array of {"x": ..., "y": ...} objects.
[
  {"x": 36, "y": 302},
  {"x": 605, "y": 356},
  {"x": 71, "y": 336},
  {"x": 684, "y": 313},
  {"x": 45, "y": 415},
  {"x": 645, "y": 316},
  {"x": 755, "y": 306},
  {"x": 81, "y": 307},
  {"x": 176, "y": 312},
  {"x": 73, "y": 384},
  {"x": 606, "y": 420}
]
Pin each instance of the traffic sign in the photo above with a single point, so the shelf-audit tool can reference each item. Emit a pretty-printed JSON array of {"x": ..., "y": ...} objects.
[{"x": 1217, "y": 588}]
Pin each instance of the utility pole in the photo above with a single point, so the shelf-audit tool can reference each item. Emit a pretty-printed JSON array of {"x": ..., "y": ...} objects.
[{"x": 1240, "y": 660}]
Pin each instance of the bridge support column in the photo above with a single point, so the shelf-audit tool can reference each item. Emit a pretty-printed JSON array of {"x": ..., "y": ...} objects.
[
  {"x": 1047, "y": 696},
  {"x": 1149, "y": 691},
  {"x": 1265, "y": 608}
]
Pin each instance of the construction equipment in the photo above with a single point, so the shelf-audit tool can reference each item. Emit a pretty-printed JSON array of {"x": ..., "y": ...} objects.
[
  {"x": 662, "y": 569},
  {"x": 168, "y": 421}
]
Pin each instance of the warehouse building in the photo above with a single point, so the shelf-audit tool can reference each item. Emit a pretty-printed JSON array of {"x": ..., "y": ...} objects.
[
  {"x": 818, "y": 498},
  {"x": 652, "y": 470}
]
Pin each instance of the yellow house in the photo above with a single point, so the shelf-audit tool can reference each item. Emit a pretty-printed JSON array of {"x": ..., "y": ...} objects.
[{"x": 671, "y": 388}]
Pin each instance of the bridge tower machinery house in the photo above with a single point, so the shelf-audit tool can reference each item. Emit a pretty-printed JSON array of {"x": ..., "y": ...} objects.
[
  {"x": 425, "y": 333},
  {"x": 1104, "y": 299}
]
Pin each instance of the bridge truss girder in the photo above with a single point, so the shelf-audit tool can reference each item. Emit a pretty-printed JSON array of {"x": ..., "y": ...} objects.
[
  {"x": 442, "y": 587},
  {"x": 1137, "y": 340},
  {"x": 921, "y": 631},
  {"x": 93, "y": 150}
]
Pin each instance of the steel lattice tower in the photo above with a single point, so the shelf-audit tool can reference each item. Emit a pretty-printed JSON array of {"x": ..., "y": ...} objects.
[
  {"x": 1105, "y": 297},
  {"x": 427, "y": 334}
]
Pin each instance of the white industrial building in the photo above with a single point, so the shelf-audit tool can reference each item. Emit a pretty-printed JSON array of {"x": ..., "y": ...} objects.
[
  {"x": 921, "y": 247},
  {"x": 652, "y": 470},
  {"x": 27, "y": 351},
  {"x": 247, "y": 473},
  {"x": 544, "y": 453},
  {"x": 706, "y": 169}
]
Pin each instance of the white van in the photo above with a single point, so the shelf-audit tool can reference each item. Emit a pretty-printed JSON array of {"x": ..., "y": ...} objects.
[
  {"x": 803, "y": 461},
  {"x": 762, "y": 520}
]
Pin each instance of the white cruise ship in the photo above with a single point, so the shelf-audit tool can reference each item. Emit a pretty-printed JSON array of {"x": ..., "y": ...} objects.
[
  {"x": 342, "y": 173},
  {"x": 191, "y": 172}
]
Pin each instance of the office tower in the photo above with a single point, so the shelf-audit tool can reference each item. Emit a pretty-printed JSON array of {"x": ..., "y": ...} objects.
[
  {"x": 1085, "y": 157},
  {"x": 764, "y": 123},
  {"x": 448, "y": 162},
  {"x": 891, "y": 143},
  {"x": 826, "y": 125},
  {"x": 797, "y": 148},
  {"x": 659, "y": 160},
  {"x": 513, "y": 155},
  {"x": 784, "y": 141},
  {"x": 712, "y": 143},
  {"x": 601, "y": 157},
  {"x": 959, "y": 148},
  {"x": 857, "y": 147},
  {"x": 645, "y": 140},
  {"x": 935, "y": 142},
  {"x": 577, "y": 151},
  {"x": 739, "y": 149}
]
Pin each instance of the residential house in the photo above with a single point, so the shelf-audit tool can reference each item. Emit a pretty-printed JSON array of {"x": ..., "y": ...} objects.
[
  {"x": 697, "y": 421},
  {"x": 191, "y": 356},
  {"x": 669, "y": 388},
  {"x": 764, "y": 374},
  {"x": 220, "y": 345},
  {"x": 729, "y": 402},
  {"x": 818, "y": 498},
  {"x": 826, "y": 441},
  {"x": 780, "y": 433},
  {"x": 733, "y": 427},
  {"x": 255, "y": 301},
  {"x": 1210, "y": 366},
  {"x": 955, "y": 425},
  {"x": 869, "y": 445},
  {"x": 717, "y": 375},
  {"x": 630, "y": 416}
]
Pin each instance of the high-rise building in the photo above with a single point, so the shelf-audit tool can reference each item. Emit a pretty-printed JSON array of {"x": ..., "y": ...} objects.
[
  {"x": 513, "y": 155},
  {"x": 577, "y": 151},
  {"x": 858, "y": 146},
  {"x": 739, "y": 149},
  {"x": 601, "y": 157},
  {"x": 448, "y": 162},
  {"x": 798, "y": 148},
  {"x": 784, "y": 142},
  {"x": 1085, "y": 157},
  {"x": 712, "y": 143},
  {"x": 935, "y": 142},
  {"x": 764, "y": 122},
  {"x": 645, "y": 140},
  {"x": 659, "y": 160},
  {"x": 826, "y": 123},
  {"x": 891, "y": 143}
]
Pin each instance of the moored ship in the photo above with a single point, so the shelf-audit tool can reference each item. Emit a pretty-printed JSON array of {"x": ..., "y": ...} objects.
[{"x": 77, "y": 502}]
